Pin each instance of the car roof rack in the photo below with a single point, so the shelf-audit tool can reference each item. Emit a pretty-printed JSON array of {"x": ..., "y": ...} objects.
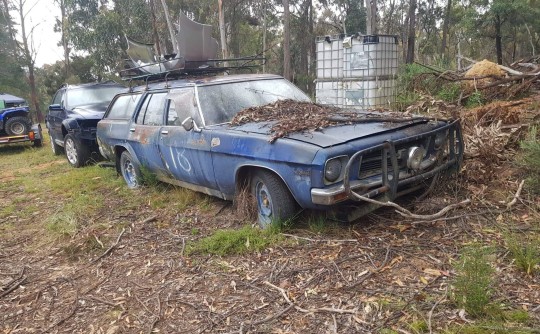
[{"x": 137, "y": 73}]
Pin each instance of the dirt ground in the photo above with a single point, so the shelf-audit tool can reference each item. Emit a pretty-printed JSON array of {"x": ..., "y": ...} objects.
[{"x": 377, "y": 274}]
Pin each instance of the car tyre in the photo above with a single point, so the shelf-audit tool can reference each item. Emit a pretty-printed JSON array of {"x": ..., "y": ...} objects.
[
  {"x": 56, "y": 149},
  {"x": 274, "y": 201},
  {"x": 130, "y": 171},
  {"x": 17, "y": 126},
  {"x": 76, "y": 153}
]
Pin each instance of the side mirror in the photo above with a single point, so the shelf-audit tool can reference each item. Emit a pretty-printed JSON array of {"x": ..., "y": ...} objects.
[
  {"x": 55, "y": 107},
  {"x": 189, "y": 124}
]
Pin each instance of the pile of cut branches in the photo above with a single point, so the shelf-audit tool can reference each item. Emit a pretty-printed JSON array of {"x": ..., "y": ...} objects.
[
  {"x": 492, "y": 80},
  {"x": 288, "y": 116}
]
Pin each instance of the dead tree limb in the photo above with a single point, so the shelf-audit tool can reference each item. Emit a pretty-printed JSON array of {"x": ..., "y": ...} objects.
[{"x": 110, "y": 248}]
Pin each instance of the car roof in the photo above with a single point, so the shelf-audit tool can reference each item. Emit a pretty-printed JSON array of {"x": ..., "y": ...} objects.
[
  {"x": 203, "y": 80},
  {"x": 94, "y": 85},
  {"x": 8, "y": 98}
]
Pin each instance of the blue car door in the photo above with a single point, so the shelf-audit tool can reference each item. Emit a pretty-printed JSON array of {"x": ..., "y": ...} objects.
[
  {"x": 186, "y": 154},
  {"x": 57, "y": 112},
  {"x": 144, "y": 132}
]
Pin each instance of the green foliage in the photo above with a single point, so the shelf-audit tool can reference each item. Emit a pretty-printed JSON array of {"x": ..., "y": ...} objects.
[
  {"x": 472, "y": 287},
  {"x": 317, "y": 223},
  {"x": 531, "y": 159},
  {"x": 449, "y": 92},
  {"x": 229, "y": 242},
  {"x": 475, "y": 100},
  {"x": 526, "y": 251},
  {"x": 418, "y": 327}
]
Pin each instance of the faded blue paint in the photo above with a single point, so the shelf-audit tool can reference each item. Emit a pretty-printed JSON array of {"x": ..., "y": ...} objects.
[{"x": 209, "y": 159}]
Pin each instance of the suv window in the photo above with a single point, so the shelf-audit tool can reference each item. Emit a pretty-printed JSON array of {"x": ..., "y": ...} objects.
[
  {"x": 153, "y": 110},
  {"x": 182, "y": 104},
  {"x": 123, "y": 106},
  {"x": 58, "y": 97}
]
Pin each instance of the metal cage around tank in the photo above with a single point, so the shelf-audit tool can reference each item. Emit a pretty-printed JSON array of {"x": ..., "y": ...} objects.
[{"x": 357, "y": 71}]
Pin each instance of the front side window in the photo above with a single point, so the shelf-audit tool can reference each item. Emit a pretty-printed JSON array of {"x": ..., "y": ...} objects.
[
  {"x": 123, "y": 107},
  {"x": 84, "y": 96},
  {"x": 182, "y": 104},
  {"x": 221, "y": 102},
  {"x": 58, "y": 97},
  {"x": 153, "y": 110}
]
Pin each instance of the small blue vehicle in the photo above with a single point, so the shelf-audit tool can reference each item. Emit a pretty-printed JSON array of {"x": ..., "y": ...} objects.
[
  {"x": 15, "y": 122},
  {"x": 14, "y": 115},
  {"x": 181, "y": 130}
]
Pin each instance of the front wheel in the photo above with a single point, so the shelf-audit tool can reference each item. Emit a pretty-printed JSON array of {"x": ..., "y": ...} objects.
[
  {"x": 76, "y": 153},
  {"x": 275, "y": 202},
  {"x": 130, "y": 171},
  {"x": 17, "y": 126}
]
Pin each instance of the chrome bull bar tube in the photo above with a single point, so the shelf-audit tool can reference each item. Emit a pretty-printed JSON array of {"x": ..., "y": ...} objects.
[{"x": 390, "y": 168}]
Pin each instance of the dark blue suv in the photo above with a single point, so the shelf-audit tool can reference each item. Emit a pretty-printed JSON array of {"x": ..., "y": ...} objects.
[{"x": 73, "y": 117}]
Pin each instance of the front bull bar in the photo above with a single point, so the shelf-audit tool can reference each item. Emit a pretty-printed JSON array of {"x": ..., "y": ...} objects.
[{"x": 389, "y": 187}]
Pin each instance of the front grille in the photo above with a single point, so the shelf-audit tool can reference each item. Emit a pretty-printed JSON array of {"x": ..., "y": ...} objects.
[{"x": 372, "y": 163}]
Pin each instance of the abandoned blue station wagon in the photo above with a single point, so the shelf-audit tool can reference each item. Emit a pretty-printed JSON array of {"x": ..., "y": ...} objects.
[{"x": 181, "y": 131}]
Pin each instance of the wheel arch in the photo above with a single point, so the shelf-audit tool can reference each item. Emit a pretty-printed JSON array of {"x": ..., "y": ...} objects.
[
  {"x": 244, "y": 173},
  {"x": 118, "y": 149}
]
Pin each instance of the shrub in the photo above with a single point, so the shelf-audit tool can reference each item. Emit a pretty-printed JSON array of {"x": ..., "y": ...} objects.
[
  {"x": 472, "y": 286},
  {"x": 525, "y": 250}
]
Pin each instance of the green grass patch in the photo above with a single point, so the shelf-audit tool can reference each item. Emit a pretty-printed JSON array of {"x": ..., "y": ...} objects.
[
  {"x": 525, "y": 250},
  {"x": 488, "y": 328},
  {"x": 233, "y": 242},
  {"x": 63, "y": 223},
  {"x": 472, "y": 287},
  {"x": 530, "y": 159}
]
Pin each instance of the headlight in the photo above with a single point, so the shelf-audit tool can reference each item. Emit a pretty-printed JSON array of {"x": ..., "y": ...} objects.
[
  {"x": 334, "y": 168},
  {"x": 440, "y": 138},
  {"x": 415, "y": 157}
]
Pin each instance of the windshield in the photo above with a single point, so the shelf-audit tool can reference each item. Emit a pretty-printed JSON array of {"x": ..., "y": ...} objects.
[
  {"x": 220, "y": 102},
  {"x": 96, "y": 95}
]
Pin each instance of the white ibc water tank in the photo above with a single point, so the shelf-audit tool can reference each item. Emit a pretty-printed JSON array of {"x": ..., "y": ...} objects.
[{"x": 357, "y": 71}]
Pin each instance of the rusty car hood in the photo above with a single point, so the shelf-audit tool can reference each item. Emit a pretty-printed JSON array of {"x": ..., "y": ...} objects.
[{"x": 333, "y": 135}]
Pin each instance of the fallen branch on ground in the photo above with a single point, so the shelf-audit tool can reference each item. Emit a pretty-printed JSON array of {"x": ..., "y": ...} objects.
[
  {"x": 408, "y": 214},
  {"x": 110, "y": 248},
  {"x": 312, "y": 310}
]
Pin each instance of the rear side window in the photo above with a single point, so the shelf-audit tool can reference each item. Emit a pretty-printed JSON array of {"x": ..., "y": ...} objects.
[
  {"x": 153, "y": 110},
  {"x": 123, "y": 106}
]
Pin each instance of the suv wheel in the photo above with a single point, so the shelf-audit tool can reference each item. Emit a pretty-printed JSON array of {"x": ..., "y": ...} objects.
[
  {"x": 274, "y": 200},
  {"x": 76, "y": 153},
  {"x": 17, "y": 126},
  {"x": 130, "y": 171}
]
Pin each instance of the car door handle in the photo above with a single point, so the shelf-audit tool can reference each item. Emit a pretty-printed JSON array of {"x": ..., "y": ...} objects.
[
  {"x": 132, "y": 130},
  {"x": 164, "y": 132}
]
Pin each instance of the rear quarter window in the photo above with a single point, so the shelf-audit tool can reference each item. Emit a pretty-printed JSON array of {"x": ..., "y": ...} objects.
[{"x": 123, "y": 107}]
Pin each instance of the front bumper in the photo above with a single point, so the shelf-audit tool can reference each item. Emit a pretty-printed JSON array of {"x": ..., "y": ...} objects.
[{"x": 386, "y": 184}]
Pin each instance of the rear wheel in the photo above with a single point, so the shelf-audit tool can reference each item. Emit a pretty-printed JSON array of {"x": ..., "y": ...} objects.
[
  {"x": 275, "y": 202},
  {"x": 17, "y": 126},
  {"x": 130, "y": 171},
  {"x": 76, "y": 153}
]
